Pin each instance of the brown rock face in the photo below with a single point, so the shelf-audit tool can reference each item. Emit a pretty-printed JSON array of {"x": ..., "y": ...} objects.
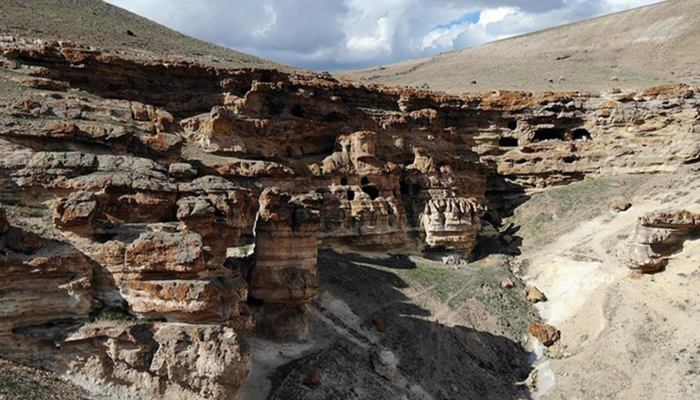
[
  {"x": 546, "y": 334},
  {"x": 43, "y": 289},
  {"x": 656, "y": 237},
  {"x": 161, "y": 360},
  {"x": 218, "y": 217},
  {"x": 286, "y": 262},
  {"x": 4, "y": 223}
]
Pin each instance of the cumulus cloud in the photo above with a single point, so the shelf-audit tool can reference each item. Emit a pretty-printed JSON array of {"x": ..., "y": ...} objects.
[{"x": 348, "y": 34}]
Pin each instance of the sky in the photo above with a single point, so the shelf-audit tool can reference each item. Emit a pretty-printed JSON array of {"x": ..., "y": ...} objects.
[{"x": 352, "y": 34}]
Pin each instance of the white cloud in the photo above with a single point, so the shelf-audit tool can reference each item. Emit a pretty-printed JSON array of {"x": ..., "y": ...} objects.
[{"x": 346, "y": 34}]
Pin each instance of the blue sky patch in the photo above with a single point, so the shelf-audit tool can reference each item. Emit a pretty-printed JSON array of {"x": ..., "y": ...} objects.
[{"x": 471, "y": 18}]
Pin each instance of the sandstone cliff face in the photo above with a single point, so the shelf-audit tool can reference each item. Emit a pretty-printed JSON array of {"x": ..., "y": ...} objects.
[
  {"x": 286, "y": 248},
  {"x": 154, "y": 170}
]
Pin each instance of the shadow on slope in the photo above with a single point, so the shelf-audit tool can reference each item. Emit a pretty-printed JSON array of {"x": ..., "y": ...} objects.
[{"x": 437, "y": 358}]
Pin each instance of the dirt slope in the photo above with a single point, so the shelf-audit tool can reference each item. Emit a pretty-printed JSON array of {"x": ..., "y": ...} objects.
[
  {"x": 641, "y": 47},
  {"x": 104, "y": 26},
  {"x": 22, "y": 383},
  {"x": 624, "y": 335}
]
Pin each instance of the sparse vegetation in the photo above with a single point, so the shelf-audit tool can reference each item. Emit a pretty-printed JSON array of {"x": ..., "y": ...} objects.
[
  {"x": 479, "y": 282},
  {"x": 581, "y": 201},
  {"x": 25, "y": 211},
  {"x": 114, "y": 314}
]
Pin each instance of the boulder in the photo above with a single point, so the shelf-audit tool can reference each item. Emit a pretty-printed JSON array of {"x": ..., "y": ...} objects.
[
  {"x": 507, "y": 283},
  {"x": 534, "y": 295},
  {"x": 546, "y": 334},
  {"x": 385, "y": 364},
  {"x": 619, "y": 204}
]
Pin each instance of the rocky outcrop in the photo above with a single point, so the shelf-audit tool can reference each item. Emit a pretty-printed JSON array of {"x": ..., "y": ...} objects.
[
  {"x": 286, "y": 250},
  {"x": 658, "y": 236},
  {"x": 163, "y": 360}
]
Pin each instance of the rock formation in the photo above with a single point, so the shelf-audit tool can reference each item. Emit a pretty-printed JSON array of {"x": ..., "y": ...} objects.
[
  {"x": 154, "y": 170},
  {"x": 286, "y": 248},
  {"x": 658, "y": 236}
]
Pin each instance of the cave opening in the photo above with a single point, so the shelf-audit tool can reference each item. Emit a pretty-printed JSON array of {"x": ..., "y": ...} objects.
[
  {"x": 266, "y": 77},
  {"x": 298, "y": 111},
  {"x": 364, "y": 181},
  {"x": 104, "y": 237},
  {"x": 508, "y": 142},
  {"x": 371, "y": 191},
  {"x": 512, "y": 124},
  {"x": 581, "y": 134},
  {"x": 344, "y": 181},
  {"x": 405, "y": 188},
  {"x": 542, "y": 135},
  {"x": 351, "y": 195}
]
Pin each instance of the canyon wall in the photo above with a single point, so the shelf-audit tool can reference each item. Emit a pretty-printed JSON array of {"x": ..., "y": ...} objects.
[{"x": 165, "y": 198}]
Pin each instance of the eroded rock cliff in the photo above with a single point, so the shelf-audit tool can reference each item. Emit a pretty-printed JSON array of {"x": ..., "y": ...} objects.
[{"x": 153, "y": 171}]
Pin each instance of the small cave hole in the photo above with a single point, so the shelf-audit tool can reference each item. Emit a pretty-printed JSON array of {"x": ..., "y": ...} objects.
[
  {"x": 512, "y": 124},
  {"x": 103, "y": 238},
  {"x": 298, "y": 111},
  {"x": 245, "y": 89},
  {"x": 581, "y": 134},
  {"x": 351, "y": 195},
  {"x": 371, "y": 191},
  {"x": 508, "y": 142},
  {"x": 364, "y": 181},
  {"x": 266, "y": 77},
  {"x": 253, "y": 302},
  {"x": 415, "y": 189},
  {"x": 542, "y": 135},
  {"x": 569, "y": 159},
  {"x": 344, "y": 181}
]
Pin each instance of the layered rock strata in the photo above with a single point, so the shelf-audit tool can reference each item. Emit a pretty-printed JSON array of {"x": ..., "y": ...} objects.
[
  {"x": 286, "y": 248},
  {"x": 154, "y": 170}
]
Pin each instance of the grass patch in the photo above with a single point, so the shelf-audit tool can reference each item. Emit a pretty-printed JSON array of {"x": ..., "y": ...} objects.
[
  {"x": 549, "y": 214},
  {"x": 15, "y": 211},
  {"x": 444, "y": 282}
]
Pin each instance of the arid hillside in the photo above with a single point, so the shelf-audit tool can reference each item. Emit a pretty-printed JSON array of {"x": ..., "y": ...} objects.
[
  {"x": 634, "y": 49},
  {"x": 109, "y": 28}
]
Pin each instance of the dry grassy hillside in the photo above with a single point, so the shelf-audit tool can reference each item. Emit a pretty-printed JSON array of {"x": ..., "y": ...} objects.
[
  {"x": 104, "y": 26},
  {"x": 633, "y": 49}
]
